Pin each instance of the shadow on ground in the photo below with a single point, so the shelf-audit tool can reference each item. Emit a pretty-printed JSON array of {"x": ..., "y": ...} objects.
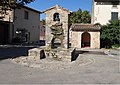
[
  {"x": 77, "y": 52},
  {"x": 13, "y": 52},
  {"x": 18, "y": 49}
]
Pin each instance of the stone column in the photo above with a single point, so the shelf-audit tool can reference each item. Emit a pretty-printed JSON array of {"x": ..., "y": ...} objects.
[{"x": 65, "y": 28}]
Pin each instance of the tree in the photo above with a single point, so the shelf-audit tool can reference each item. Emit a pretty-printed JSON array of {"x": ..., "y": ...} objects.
[
  {"x": 43, "y": 21},
  {"x": 110, "y": 34},
  {"x": 80, "y": 17},
  {"x": 86, "y": 17},
  {"x": 6, "y": 5}
]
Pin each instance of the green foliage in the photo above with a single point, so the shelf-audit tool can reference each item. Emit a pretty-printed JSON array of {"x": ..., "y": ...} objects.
[
  {"x": 6, "y": 5},
  {"x": 24, "y": 1},
  {"x": 43, "y": 21},
  {"x": 80, "y": 17},
  {"x": 115, "y": 46},
  {"x": 86, "y": 17},
  {"x": 110, "y": 34}
]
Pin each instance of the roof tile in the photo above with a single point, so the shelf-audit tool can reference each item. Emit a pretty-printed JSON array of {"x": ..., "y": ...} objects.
[{"x": 82, "y": 27}]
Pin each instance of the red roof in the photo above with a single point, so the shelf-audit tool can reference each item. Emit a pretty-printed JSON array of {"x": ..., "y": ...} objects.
[{"x": 85, "y": 27}]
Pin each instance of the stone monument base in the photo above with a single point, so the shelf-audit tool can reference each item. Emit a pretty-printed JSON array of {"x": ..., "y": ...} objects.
[{"x": 59, "y": 54}]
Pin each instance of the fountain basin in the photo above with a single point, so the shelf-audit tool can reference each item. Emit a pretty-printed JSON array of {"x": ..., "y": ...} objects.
[{"x": 59, "y": 54}]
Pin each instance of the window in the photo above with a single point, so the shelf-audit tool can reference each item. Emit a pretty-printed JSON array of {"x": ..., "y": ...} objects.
[
  {"x": 56, "y": 17},
  {"x": 26, "y": 15},
  {"x": 114, "y": 16}
]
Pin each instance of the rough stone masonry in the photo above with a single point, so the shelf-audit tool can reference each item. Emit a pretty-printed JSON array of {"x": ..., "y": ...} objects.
[{"x": 63, "y": 15}]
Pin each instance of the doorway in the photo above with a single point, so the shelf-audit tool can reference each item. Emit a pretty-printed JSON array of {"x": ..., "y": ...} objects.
[
  {"x": 4, "y": 33},
  {"x": 85, "y": 40}
]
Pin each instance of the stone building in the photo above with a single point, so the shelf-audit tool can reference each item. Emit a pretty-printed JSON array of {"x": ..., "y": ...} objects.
[
  {"x": 28, "y": 19},
  {"x": 23, "y": 23},
  {"x": 78, "y": 35},
  {"x": 85, "y": 35},
  {"x": 6, "y": 24},
  {"x": 57, "y": 14}
]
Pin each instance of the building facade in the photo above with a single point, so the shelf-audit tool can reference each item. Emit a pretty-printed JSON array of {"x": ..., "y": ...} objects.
[
  {"x": 29, "y": 20},
  {"x": 105, "y": 10},
  {"x": 79, "y": 35},
  {"x": 24, "y": 24},
  {"x": 6, "y": 24},
  {"x": 85, "y": 35}
]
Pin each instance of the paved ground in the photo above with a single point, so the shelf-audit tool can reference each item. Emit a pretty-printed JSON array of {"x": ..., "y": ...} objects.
[
  {"x": 104, "y": 69},
  {"x": 13, "y": 51}
]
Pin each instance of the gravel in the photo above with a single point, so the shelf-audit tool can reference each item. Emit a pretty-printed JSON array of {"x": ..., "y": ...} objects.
[{"x": 52, "y": 64}]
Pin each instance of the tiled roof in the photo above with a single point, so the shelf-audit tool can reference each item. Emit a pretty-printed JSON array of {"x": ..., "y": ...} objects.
[{"x": 85, "y": 27}]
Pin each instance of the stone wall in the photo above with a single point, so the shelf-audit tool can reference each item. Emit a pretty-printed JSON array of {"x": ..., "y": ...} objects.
[
  {"x": 9, "y": 16},
  {"x": 57, "y": 54},
  {"x": 94, "y": 36},
  {"x": 95, "y": 39},
  {"x": 64, "y": 16},
  {"x": 76, "y": 39}
]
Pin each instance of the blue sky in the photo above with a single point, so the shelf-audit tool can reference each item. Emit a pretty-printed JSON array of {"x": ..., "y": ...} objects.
[{"x": 72, "y": 5}]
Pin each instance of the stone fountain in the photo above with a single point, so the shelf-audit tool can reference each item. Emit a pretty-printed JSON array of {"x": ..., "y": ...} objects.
[
  {"x": 55, "y": 50},
  {"x": 57, "y": 36}
]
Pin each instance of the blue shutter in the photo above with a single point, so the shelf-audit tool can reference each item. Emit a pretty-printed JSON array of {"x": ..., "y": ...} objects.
[{"x": 114, "y": 16}]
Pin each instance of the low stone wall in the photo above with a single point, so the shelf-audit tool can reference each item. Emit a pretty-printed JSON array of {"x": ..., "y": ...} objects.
[
  {"x": 36, "y": 54},
  {"x": 60, "y": 54},
  {"x": 57, "y": 54}
]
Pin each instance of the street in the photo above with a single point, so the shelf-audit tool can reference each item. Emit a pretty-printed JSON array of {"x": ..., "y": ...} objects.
[{"x": 104, "y": 70}]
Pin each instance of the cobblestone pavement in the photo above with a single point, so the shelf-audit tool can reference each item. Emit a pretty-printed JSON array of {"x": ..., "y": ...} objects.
[{"x": 96, "y": 69}]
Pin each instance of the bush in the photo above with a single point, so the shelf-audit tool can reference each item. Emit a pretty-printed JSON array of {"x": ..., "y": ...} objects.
[
  {"x": 110, "y": 34},
  {"x": 115, "y": 46}
]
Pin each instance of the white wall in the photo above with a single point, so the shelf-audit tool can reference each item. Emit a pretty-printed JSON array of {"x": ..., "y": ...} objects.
[
  {"x": 32, "y": 24},
  {"x": 102, "y": 13}
]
